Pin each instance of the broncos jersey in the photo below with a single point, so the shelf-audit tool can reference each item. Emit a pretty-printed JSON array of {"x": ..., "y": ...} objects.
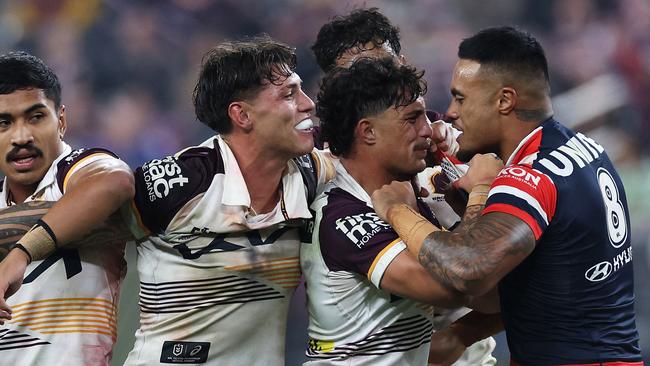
[
  {"x": 65, "y": 312},
  {"x": 216, "y": 278},
  {"x": 351, "y": 319},
  {"x": 571, "y": 301}
]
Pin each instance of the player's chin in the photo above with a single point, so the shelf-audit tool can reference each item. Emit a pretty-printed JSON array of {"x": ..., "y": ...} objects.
[{"x": 304, "y": 144}]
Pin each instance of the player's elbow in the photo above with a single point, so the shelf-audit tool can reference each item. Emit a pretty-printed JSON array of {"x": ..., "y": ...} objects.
[{"x": 476, "y": 287}]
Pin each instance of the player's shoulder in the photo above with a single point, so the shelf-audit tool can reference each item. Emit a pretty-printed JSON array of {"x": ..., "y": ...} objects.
[
  {"x": 78, "y": 157},
  {"x": 344, "y": 214},
  {"x": 164, "y": 186}
]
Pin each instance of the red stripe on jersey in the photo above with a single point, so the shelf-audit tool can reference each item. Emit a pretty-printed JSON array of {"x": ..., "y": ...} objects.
[
  {"x": 518, "y": 213},
  {"x": 530, "y": 147},
  {"x": 537, "y": 184}
]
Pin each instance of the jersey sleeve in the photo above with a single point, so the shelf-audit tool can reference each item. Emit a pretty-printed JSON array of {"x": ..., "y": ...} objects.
[
  {"x": 354, "y": 239},
  {"x": 76, "y": 160},
  {"x": 164, "y": 186},
  {"x": 525, "y": 193}
]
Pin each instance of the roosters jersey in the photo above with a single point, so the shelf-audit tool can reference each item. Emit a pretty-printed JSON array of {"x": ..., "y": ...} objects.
[
  {"x": 65, "y": 312},
  {"x": 216, "y": 278},
  {"x": 572, "y": 300},
  {"x": 351, "y": 319}
]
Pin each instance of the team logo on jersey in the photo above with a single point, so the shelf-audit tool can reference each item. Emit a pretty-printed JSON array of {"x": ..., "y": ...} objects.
[
  {"x": 360, "y": 228},
  {"x": 599, "y": 272},
  {"x": 73, "y": 155},
  {"x": 161, "y": 176}
]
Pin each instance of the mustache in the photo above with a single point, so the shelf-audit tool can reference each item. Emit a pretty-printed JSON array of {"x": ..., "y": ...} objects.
[{"x": 33, "y": 150}]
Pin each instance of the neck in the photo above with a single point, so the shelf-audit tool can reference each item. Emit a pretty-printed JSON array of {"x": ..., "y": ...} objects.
[
  {"x": 262, "y": 171},
  {"x": 514, "y": 135},
  {"x": 18, "y": 193},
  {"x": 367, "y": 172}
]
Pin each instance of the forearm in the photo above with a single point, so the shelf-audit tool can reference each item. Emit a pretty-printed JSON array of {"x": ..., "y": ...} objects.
[
  {"x": 88, "y": 205},
  {"x": 15, "y": 221},
  {"x": 92, "y": 195}
]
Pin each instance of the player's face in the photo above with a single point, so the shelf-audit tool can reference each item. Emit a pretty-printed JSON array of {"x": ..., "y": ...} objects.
[
  {"x": 282, "y": 117},
  {"x": 30, "y": 136},
  {"x": 403, "y": 139},
  {"x": 367, "y": 50},
  {"x": 474, "y": 109}
]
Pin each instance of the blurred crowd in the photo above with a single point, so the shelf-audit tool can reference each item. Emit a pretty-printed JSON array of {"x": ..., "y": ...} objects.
[{"x": 128, "y": 67}]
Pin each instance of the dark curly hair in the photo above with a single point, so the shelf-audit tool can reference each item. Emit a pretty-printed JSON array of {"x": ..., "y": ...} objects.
[
  {"x": 237, "y": 71},
  {"x": 20, "y": 70},
  {"x": 353, "y": 30},
  {"x": 367, "y": 88}
]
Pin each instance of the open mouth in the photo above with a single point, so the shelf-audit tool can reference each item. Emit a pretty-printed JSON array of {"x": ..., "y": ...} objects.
[
  {"x": 23, "y": 159},
  {"x": 306, "y": 125}
]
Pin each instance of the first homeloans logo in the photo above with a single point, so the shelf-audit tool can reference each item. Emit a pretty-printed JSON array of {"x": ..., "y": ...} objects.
[
  {"x": 360, "y": 228},
  {"x": 184, "y": 352},
  {"x": 161, "y": 176}
]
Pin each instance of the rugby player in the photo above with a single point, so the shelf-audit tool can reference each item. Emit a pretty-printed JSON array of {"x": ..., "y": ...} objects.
[
  {"x": 65, "y": 311},
  {"x": 356, "y": 268},
  {"x": 367, "y": 33},
  {"x": 554, "y": 233},
  {"x": 220, "y": 223}
]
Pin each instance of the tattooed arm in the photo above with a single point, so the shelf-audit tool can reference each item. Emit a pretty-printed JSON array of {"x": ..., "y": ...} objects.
[
  {"x": 15, "y": 221},
  {"x": 474, "y": 257}
]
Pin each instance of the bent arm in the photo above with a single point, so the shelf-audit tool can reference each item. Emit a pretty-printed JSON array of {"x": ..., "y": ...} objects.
[
  {"x": 406, "y": 277},
  {"x": 92, "y": 194},
  {"x": 475, "y": 257}
]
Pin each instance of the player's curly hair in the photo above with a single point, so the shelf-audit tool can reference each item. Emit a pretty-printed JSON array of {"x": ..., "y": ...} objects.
[
  {"x": 21, "y": 70},
  {"x": 235, "y": 71},
  {"x": 367, "y": 88},
  {"x": 353, "y": 30}
]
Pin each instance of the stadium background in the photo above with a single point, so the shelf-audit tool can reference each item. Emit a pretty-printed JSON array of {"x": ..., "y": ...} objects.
[{"x": 128, "y": 69}]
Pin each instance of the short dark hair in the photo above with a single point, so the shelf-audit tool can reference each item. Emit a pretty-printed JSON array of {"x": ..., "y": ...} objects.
[
  {"x": 507, "y": 50},
  {"x": 367, "y": 88},
  {"x": 353, "y": 30},
  {"x": 21, "y": 70},
  {"x": 237, "y": 71}
]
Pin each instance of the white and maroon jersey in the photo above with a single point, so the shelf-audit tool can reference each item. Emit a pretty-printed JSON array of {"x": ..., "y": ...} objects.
[
  {"x": 352, "y": 321},
  {"x": 571, "y": 301},
  {"x": 216, "y": 278},
  {"x": 65, "y": 312}
]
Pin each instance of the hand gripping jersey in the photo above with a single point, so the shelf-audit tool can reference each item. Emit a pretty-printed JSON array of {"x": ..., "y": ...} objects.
[
  {"x": 351, "y": 320},
  {"x": 215, "y": 278},
  {"x": 65, "y": 312},
  {"x": 572, "y": 300}
]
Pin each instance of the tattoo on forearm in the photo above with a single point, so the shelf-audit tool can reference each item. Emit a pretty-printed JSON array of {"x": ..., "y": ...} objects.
[
  {"x": 472, "y": 213},
  {"x": 15, "y": 221},
  {"x": 476, "y": 248}
]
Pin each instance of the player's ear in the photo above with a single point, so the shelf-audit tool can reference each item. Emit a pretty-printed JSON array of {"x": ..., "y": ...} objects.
[
  {"x": 63, "y": 124},
  {"x": 365, "y": 133},
  {"x": 239, "y": 113},
  {"x": 507, "y": 100}
]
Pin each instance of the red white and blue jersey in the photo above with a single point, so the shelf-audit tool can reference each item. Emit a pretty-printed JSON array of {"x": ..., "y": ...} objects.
[{"x": 572, "y": 300}]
